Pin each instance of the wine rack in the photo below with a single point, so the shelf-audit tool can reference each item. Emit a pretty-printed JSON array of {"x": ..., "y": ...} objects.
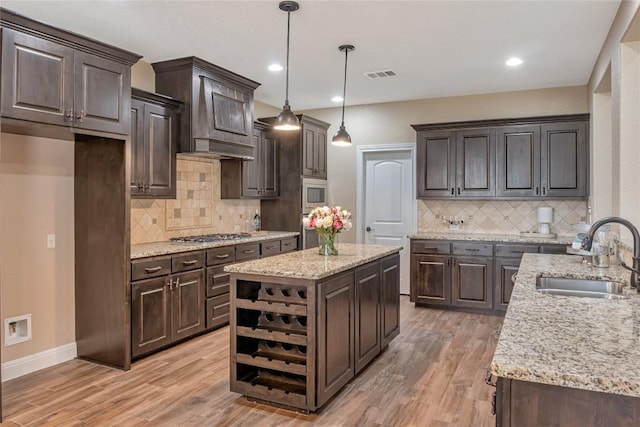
[{"x": 272, "y": 349}]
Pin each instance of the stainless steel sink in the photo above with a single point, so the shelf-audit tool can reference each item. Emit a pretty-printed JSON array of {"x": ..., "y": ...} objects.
[{"x": 580, "y": 287}]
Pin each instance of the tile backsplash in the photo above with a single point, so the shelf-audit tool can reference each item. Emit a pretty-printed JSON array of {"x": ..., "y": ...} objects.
[
  {"x": 499, "y": 216},
  {"x": 197, "y": 209}
]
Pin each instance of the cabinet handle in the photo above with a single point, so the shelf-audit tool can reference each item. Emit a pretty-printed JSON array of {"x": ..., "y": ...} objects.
[
  {"x": 140, "y": 187},
  {"x": 248, "y": 251},
  {"x": 170, "y": 284},
  {"x": 190, "y": 262},
  {"x": 516, "y": 252},
  {"x": 514, "y": 277},
  {"x": 69, "y": 115},
  {"x": 544, "y": 191},
  {"x": 269, "y": 247},
  {"x": 452, "y": 191},
  {"x": 427, "y": 248},
  {"x": 80, "y": 116},
  {"x": 472, "y": 250},
  {"x": 453, "y": 262},
  {"x": 222, "y": 256},
  {"x": 177, "y": 282},
  {"x": 537, "y": 191},
  {"x": 448, "y": 262},
  {"x": 152, "y": 269},
  {"x": 288, "y": 244},
  {"x": 146, "y": 188},
  {"x": 458, "y": 191}
]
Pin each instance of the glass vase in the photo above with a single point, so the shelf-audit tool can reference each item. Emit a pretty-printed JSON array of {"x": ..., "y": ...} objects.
[{"x": 326, "y": 244}]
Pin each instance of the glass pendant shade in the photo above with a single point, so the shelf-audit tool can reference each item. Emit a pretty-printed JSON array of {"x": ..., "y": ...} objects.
[
  {"x": 286, "y": 120},
  {"x": 342, "y": 137}
]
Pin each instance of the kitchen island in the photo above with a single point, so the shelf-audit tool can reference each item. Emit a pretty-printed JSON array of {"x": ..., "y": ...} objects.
[
  {"x": 303, "y": 325},
  {"x": 569, "y": 361}
]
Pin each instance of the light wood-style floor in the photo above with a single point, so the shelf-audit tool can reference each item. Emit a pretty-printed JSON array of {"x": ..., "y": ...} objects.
[{"x": 432, "y": 374}]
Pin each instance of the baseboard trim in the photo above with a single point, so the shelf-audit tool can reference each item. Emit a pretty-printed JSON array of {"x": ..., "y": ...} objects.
[{"x": 34, "y": 362}]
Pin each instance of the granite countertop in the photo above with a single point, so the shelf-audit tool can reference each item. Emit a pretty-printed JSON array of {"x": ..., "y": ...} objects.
[
  {"x": 308, "y": 264},
  {"x": 144, "y": 250},
  {"x": 511, "y": 238},
  {"x": 584, "y": 343}
]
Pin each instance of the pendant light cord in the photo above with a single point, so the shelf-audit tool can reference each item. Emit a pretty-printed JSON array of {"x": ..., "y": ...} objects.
[
  {"x": 286, "y": 96},
  {"x": 344, "y": 89}
]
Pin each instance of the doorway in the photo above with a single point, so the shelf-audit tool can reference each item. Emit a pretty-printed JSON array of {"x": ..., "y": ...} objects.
[{"x": 386, "y": 199}]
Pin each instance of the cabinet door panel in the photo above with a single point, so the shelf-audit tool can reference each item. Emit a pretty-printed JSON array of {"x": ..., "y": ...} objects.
[
  {"x": 102, "y": 94},
  {"x": 150, "y": 315},
  {"x": 37, "y": 79},
  {"x": 321, "y": 153},
  {"x": 161, "y": 125},
  {"x": 431, "y": 279},
  {"x": 188, "y": 304},
  {"x": 475, "y": 152},
  {"x": 367, "y": 319},
  {"x": 389, "y": 299},
  {"x": 472, "y": 282},
  {"x": 564, "y": 167},
  {"x": 436, "y": 164},
  {"x": 251, "y": 169},
  {"x": 138, "y": 156},
  {"x": 518, "y": 165},
  {"x": 335, "y": 335},
  {"x": 308, "y": 150},
  {"x": 505, "y": 269},
  {"x": 270, "y": 167}
]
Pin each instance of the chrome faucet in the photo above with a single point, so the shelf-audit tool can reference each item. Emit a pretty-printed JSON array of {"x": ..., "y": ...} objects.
[{"x": 635, "y": 270}]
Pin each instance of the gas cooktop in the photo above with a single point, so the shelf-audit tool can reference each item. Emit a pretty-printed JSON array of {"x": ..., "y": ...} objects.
[{"x": 206, "y": 238}]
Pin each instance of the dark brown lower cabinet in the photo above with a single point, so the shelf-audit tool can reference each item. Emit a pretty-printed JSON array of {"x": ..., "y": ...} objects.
[
  {"x": 165, "y": 310},
  {"x": 527, "y": 404},
  {"x": 336, "y": 360},
  {"x": 367, "y": 315},
  {"x": 389, "y": 299},
  {"x": 431, "y": 278},
  {"x": 472, "y": 282},
  {"x": 504, "y": 271},
  {"x": 298, "y": 342}
]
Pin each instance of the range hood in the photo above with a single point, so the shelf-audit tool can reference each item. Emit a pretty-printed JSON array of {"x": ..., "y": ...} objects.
[{"x": 218, "y": 117}]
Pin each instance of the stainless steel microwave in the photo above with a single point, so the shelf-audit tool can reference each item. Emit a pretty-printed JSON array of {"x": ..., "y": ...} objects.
[{"x": 314, "y": 193}]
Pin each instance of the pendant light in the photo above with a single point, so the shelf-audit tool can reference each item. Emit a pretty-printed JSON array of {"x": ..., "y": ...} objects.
[
  {"x": 286, "y": 120},
  {"x": 342, "y": 137}
]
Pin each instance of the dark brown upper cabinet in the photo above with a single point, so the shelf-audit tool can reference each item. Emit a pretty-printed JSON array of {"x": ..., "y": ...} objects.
[
  {"x": 548, "y": 160},
  {"x": 218, "y": 116},
  {"x": 314, "y": 151},
  {"x": 456, "y": 163},
  {"x": 55, "y": 77},
  {"x": 155, "y": 121},
  {"x": 256, "y": 178},
  {"x": 504, "y": 158}
]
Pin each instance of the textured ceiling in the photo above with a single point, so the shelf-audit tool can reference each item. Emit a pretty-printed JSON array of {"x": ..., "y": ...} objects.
[{"x": 437, "y": 48}]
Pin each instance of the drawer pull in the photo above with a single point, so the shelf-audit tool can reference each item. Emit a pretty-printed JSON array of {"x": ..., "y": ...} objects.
[
  {"x": 248, "y": 251},
  {"x": 269, "y": 247},
  {"x": 514, "y": 277},
  {"x": 472, "y": 250},
  {"x": 288, "y": 244},
  {"x": 152, "y": 269},
  {"x": 191, "y": 262},
  {"x": 517, "y": 252},
  {"x": 429, "y": 248},
  {"x": 222, "y": 256}
]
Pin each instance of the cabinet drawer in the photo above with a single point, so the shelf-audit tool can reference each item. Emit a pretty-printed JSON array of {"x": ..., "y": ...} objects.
[
  {"x": 247, "y": 251},
  {"x": 270, "y": 248},
  {"x": 553, "y": 249},
  {"x": 472, "y": 249},
  {"x": 223, "y": 255},
  {"x": 148, "y": 268},
  {"x": 515, "y": 251},
  {"x": 430, "y": 247},
  {"x": 287, "y": 245},
  {"x": 188, "y": 261},
  {"x": 217, "y": 281},
  {"x": 218, "y": 309}
]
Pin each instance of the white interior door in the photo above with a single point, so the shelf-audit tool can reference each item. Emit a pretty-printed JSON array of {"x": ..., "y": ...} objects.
[{"x": 389, "y": 203}]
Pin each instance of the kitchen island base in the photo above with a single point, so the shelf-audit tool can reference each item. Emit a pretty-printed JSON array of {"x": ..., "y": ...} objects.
[
  {"x": 528, "y": 404},
  {"x": 296, "y": 341}
]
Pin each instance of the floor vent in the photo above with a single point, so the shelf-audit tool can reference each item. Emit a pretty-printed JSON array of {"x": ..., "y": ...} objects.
[{"x": 373, "y": 75}]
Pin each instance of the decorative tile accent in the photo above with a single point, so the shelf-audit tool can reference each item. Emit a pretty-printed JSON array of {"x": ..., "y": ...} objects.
[
  {"x": 197, "y": 209},
  {"x": 498, "y": 216}
]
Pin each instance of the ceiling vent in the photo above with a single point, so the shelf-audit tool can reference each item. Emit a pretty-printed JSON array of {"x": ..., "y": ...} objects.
[{"x": 373, "y": 75}]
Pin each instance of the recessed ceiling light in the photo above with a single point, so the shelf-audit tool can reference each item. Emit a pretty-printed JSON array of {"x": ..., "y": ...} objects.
[
  {"x": 276, "y": 67},
  {"x": 514, "y": 62},
  {"x": 337, "y": 99}
]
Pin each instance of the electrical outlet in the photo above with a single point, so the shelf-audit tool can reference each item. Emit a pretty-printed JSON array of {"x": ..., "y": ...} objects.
[
  {"x": 51, "y": 241},
  {"x": 506, "y": 217},
  {"x": 583, "y": 218},
  {"x": 469, "y": 217}
]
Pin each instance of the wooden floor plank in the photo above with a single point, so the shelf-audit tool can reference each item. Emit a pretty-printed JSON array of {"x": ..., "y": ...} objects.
[{"x": 432, "y": 374}]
